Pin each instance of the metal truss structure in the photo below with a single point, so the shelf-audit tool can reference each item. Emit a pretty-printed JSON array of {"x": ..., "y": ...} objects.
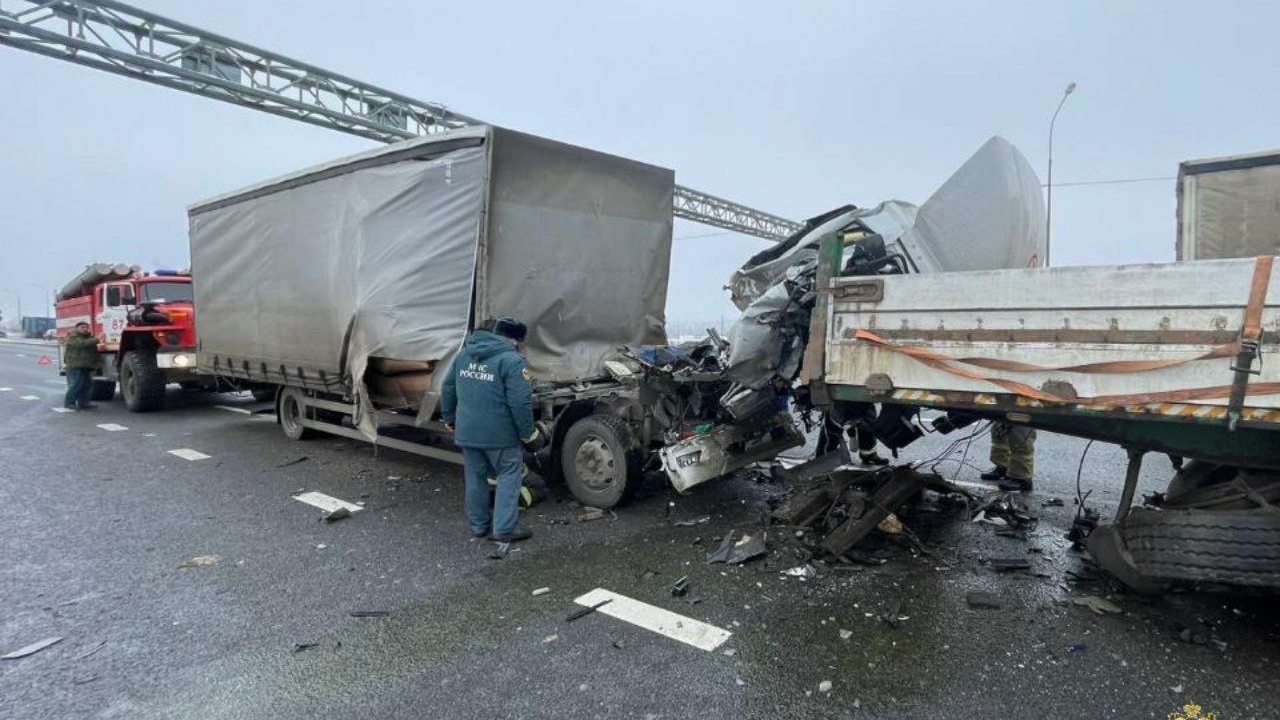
[{"x": 125, "y": 40}]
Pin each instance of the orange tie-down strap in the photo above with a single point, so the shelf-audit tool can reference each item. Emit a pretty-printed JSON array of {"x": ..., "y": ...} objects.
[{"x": 944, "y": 363}]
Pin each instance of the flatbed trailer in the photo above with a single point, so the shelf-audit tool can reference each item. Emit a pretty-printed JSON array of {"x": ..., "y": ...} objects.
[{"x": 1177, "y": 358}]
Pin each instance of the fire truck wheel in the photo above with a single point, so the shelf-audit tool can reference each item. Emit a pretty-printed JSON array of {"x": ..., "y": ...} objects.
[
  {"x": 103, "y": 390},
  {"x": 599, "y": 461},
  {"x": 141, "y": 382}
]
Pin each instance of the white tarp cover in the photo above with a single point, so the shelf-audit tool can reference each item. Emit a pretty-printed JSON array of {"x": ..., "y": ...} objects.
[
  {"x": 989, "y": 215},
  {"x": 378, "y": 256},
  {"x": 579, "y": 249}
]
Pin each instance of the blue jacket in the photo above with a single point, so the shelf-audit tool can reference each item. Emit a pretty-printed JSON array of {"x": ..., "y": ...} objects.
[{"x": 487, "y": 395}]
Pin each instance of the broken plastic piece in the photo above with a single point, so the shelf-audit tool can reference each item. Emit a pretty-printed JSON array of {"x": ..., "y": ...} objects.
[
  {"x": 680, "y": 587},
  {"x": 541, "y": 591},
  {"x": 801, "y": 571},
  {"x": 747, "y": 547},
  {"x": 583, "y": 612},
  {"x": 200, "y": 561}
]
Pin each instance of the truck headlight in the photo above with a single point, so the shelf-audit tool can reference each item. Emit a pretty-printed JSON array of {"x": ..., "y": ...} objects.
[{"x": 181, "y": 360}]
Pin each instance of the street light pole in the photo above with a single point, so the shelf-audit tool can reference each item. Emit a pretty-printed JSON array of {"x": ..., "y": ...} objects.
[{"x": 1048, "y": 213}]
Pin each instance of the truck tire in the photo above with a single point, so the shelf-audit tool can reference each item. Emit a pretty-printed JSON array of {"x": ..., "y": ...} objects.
[
  {"x": 289, "y": 414},
  {"x": 599, "y": 461},
  {"x": 141, "y": 382},
  {"x": 1240, "y": 547},
  {"x": 103, "y": 390}
]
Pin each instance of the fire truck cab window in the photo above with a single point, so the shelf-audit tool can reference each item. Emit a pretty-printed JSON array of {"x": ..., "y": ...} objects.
[{"x": 118, "y": 295}]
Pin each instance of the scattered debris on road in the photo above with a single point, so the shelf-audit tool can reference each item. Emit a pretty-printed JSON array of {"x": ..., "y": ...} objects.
[
  {"x": 541, "y": 591},
  {"x": 200, "y": 561},
  {"x": 1098, "y": 605},
  {"x": 337, "y": 514},
  {"x": 300, "y": 647},
  {"x": 733, "y": 553},
  {"x": 587, "y": 514},
  {"x": 691, "y": 523},
  {"x": 294, "y": 461},
  {"x": 680, "y": 587},
  {"x": 824, "y": 686},
  {"x": 91, "y": 650},
  {"x": 583, "y": 612},
  {"x": 33, "y": 648},
  {"x": 369, "y": 613}
]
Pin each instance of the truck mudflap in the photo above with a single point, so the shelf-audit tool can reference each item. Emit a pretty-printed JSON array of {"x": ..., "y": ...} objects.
[{"x": 726, "y": 448}]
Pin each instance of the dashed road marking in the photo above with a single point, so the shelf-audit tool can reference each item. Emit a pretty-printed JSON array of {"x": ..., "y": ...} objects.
[
  {"x": 189, "y": 454},
  {"x": 112, "y": 427},
  {"x": 326, "y": 503},
  {"x": 29, "y": 397},
  {"x": 148, "y": 434},
  {"x": 664, "y": 622},
  {"x": 62, "y": 409},
  {"x": 228, "y": 408},
  {"x": 6, "y": 389}
]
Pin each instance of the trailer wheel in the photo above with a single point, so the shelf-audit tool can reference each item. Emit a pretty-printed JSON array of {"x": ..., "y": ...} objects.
[
  {"x": 141, "y": 382},
  {"x": 1239, "y": 547},
  {"x": 599, "y": 461},
  {"x": 103, "y": 390},
  {"x": 290, "y": 413}
]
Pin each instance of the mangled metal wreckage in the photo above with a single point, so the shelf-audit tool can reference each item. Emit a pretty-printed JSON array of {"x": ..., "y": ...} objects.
[{"x": 726, "y": 403}]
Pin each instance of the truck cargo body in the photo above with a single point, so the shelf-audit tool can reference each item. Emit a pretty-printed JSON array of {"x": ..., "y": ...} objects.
[
  {"x": 1229, "y": 207},
  {"x": 353, "y": 284},
  {"x": 1179, "y": 358}
]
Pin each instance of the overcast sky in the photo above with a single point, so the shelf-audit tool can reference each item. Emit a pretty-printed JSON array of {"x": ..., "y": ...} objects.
[{"x": 793, "y": 108}]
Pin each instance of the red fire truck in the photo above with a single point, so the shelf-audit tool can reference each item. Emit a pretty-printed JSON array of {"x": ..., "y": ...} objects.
[{"x": 145, "y": 325}]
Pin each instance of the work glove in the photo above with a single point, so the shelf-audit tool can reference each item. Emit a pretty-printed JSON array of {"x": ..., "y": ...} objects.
[{"x": 535, "y": 442}]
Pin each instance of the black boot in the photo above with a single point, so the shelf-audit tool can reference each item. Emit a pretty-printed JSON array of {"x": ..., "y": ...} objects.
[
  {"x": 995, "y": 474},
  {"x": 1013, "y": 484}
]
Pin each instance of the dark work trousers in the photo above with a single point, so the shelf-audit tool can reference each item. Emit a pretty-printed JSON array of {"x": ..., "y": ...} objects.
[{"x": 79, "y": 385}]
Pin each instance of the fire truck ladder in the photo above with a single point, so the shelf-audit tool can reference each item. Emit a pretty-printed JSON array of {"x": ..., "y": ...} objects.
[{"x": 124, "y": 40}]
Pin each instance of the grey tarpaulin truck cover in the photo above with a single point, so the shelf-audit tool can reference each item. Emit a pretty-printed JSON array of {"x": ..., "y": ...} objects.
[{"x": 394, "y": 254}]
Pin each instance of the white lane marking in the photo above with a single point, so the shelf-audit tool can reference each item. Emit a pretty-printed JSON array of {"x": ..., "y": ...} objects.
[
  {"x": 112, "y": 427},
  {"x": 148, "y": 434},
  {"x": 19, "y": 355},
  {"x": 326, "y": 503},
  {"x": 29, "y": 397},
  {"x": 62, "y": 409},
  {"x": 664, "y": 622},
  {"x": 189, "y": 454},
  {"x": 6, "y": 389},
  {"x": 228, "y": 408},
  {"x": 55, "y": 381}
]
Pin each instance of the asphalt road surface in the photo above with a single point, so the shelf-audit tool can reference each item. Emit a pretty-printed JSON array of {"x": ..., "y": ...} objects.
[{"x": 99, "y": 521}]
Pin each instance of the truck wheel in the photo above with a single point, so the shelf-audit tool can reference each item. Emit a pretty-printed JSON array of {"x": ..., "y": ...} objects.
[
  {"x": 141, "y": 382},
  {"x": 103, "y": 390},
  {"x": 598, "y": 460},
  {"x": 1239, "y": 547},
  {"x": 290, "y": 414}
]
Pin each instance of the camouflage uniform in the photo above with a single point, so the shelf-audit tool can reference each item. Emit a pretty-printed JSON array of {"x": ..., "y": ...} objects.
[{"x": 1013, "y": 447}]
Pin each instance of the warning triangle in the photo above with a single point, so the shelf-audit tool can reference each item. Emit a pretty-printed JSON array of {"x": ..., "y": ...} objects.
[{"x": 44, "y": 360}]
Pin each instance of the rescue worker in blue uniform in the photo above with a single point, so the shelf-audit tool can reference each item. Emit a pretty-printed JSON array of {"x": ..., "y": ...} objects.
[{"x": 487, "y": 402}]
